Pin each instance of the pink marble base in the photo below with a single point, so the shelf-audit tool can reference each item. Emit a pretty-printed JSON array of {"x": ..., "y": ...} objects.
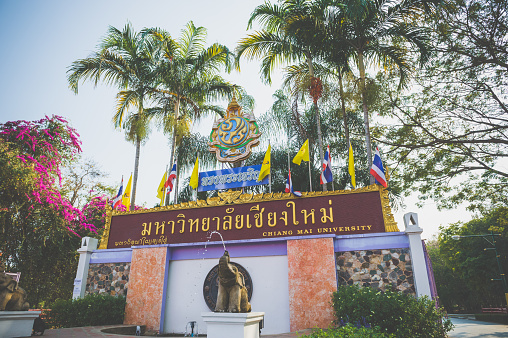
[
  {"x": 146, "y": 286},
  {"x": 312, "y": 280}
]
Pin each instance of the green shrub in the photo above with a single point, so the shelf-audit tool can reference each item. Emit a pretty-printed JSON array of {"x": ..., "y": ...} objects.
[
  {"x": 501, "y": 318},
  {"x": 393, "y": 312},
  {"x": 349, "y": 331},
  {"x": 91, "y": 310}
]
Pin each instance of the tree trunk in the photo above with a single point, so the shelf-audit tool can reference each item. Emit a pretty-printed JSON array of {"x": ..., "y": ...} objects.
[
  {"x": 363, "y": 88},
  {"x": 135, "y": 178},
  {"x": 136, "y": 161},
  {"x": 318, "y": 122},
  {"x": 173, "y": 147},
  {"x": 344, "y": 115}
]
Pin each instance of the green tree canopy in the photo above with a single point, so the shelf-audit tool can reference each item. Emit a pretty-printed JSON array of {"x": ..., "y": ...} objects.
[
  {"x": 188, "y": 81},
  {"x": 465, "y": 262},
  {"x": 449, "y": 134}
]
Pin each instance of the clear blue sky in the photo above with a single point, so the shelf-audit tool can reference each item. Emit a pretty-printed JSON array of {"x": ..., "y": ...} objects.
[{"x": 40, "y": 39}]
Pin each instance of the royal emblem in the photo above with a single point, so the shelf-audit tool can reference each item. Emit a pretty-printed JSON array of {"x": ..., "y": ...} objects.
[{"x": 233, "y": 137}]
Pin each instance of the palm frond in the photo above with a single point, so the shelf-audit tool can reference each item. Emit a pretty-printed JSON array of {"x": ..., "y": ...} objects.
[
  {"x": 192, "y": 41},
  {"x": 125, "y": 99},
  {"x": 271, "y": 16},
  {"x": 273, "y": 48}
]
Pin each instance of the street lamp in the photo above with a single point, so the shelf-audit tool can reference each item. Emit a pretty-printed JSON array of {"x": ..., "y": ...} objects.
[{"x": 491, "y": 240}]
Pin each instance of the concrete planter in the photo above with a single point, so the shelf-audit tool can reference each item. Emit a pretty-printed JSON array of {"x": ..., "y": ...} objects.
[
  {"x": 233, "y": 325},
  {"x": 17, "y": 323}
]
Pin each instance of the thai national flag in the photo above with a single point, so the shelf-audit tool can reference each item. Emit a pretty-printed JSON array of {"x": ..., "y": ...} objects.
[
  {"x": 377, "y": 170},
  {"x": 118, "y": 199},
  {"x": 326, "y": 174},
  {"x": 289, "y": 186},
  {"x": 171, "y": 178}
]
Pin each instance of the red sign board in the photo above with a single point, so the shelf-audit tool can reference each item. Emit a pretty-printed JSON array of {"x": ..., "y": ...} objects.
[{"x": 338, "y": 214}]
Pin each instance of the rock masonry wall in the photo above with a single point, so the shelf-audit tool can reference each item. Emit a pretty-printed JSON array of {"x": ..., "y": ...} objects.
[
  {"x": 379, "y": 269},
  {"x": 112, "y": 278}
]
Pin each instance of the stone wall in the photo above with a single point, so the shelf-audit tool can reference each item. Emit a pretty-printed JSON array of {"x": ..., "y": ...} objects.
[
  {"x": 112, "y": 278},
  {"x": 379, "y": 269}
]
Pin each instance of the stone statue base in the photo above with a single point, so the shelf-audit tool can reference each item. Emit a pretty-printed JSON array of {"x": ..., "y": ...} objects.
[
  {"x": 17, "y": 323},
  {"x": 233, "y": 325}
]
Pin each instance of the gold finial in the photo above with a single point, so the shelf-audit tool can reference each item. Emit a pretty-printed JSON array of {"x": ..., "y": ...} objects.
[{"x": 233, "y": 105}]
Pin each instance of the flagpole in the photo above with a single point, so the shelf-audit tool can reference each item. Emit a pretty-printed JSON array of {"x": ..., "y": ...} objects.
[
  {"x": 165, "y": 189},
  {"x": 270, "y": 172},
  {"x": 330, "y": 162},
  {"x": 270, "y": 181},
  {"x": 175, "y": 190},
  {"x": 289, "y": 168},
  {"x": 310, "y": 178}
]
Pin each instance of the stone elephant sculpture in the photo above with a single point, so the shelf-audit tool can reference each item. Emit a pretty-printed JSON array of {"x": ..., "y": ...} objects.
[
  {"x": 232, "y": 294},
  {"x": 12, "y": 297}
]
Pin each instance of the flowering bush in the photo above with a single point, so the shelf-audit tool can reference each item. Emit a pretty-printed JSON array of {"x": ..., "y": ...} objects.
[{"x": 40, "y": 149}]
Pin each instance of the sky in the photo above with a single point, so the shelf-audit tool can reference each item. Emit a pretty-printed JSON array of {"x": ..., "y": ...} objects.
[{"x": 40, "y": 39}]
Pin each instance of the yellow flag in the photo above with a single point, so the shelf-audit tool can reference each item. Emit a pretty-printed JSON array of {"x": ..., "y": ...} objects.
[
  {"x": 303, "y": 153},
  {"x": 126, "y": 197},
  {"x": 351, "y": 166},
  {"x": 265, "y": 168},
  {"x": 194, "y": 180},
  {"x": 160, "y": 189}
]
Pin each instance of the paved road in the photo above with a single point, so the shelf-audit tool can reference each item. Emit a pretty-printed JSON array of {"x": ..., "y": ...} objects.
[
  {"x": 95, "y": 332},
  {"x": 466, "y": 328}
]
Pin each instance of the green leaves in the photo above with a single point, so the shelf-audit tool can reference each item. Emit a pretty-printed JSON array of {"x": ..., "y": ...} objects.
[
  {"x": 92, "y": 310},
  {"x": 393, "y": 312},
  {"x": 466, "y": 262},
  {"x": 450, "y": 130}
]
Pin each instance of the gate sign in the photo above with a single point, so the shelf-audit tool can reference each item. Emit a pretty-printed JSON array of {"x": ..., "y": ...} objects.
[
  {"x": 240, "y": 216},
  {"x": 230, "y": 178}
]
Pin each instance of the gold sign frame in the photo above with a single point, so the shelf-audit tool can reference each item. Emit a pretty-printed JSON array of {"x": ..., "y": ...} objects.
[{"x": 236, "y": 197}]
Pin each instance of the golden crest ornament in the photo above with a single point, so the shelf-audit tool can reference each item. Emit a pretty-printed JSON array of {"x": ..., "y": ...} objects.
[{"x": 233, "y": 137}]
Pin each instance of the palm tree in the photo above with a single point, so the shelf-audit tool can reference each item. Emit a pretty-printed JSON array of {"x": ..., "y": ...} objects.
[
  {"x": 365, "y": 32},
  {"x": 124, "y": 59},
  {"x": 188, "y": 78},
  {"x": 289, "y": 35}
]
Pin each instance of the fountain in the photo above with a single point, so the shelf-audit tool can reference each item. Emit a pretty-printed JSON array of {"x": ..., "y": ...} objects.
[{"x": 232, "y": 317}]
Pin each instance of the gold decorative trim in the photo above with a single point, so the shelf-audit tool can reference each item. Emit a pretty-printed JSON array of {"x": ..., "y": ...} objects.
[
  {"x": 389, "y": 220},
  {"x": 107, "y": 226},
  {"x": 236, "y": 197}
]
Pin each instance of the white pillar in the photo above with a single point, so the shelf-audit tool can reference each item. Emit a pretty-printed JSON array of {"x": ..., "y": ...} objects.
[
  {"x": 233, "y": 325},
  {"x": 88, "y": 245},
  {"x": 420, "y": 275}
]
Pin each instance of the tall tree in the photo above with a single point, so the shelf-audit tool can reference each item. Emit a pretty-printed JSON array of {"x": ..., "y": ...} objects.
[
  {"x": 471, "y": 262},
  {"x": 379, "y": 33},
  {"x": 450, "y": 137},
  {"x": 124, "y": 59},
  {"x": 288, "y": 36},
  {"x": 188, "y": 78}
]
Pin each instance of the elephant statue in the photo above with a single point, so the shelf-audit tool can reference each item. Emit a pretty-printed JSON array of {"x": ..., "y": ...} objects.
[
  {"x": 232, "y": 294},
  {"x": 12, "y": 297}
]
